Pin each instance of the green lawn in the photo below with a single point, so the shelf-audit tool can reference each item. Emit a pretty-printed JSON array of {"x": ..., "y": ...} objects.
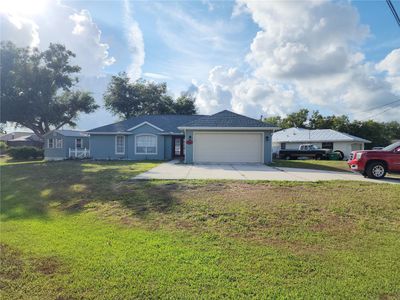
[
  {"x": 327, "y": 165},
  {"x": 84, "y": 230}
]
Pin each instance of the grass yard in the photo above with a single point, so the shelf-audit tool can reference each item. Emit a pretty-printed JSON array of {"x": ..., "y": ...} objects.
[
  {"x": 84, "y": 230},
  {"x": 326, "y": 165}
]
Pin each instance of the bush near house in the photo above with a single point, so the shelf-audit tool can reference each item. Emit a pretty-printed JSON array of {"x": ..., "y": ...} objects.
[
  {"x": 3, "y": 147},
  {"x": 25, "y": 152}
]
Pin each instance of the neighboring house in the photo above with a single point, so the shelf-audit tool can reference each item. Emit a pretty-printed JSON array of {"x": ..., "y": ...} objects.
[
  {"x": 20, "y": 139},
  {"x": 292, "y": 138},
  {"x": 220, "y": 138},
  {"x": 63, "y": 144}
]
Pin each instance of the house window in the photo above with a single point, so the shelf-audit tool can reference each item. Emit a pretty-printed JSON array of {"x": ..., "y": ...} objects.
[
  {"x": 78, "y": 143},
  {"x": 327, "y": 145},
  {"x": 50, "y": 143},
  {"x": 146, "y": 144},
  {"x": 283, "y": 146},
  {"x": 59, "y": 143},
  {"x": 120, "y": 144}
]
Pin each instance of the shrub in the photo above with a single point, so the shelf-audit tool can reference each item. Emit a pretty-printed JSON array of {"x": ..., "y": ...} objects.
[
  {"x": 25, "y": 152},
  {"x": 3, "y": 147}
]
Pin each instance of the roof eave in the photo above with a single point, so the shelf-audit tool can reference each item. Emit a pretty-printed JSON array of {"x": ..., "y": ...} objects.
[
  {"x": 225, "y": 128},
  {"x": 108, "y": 132}
]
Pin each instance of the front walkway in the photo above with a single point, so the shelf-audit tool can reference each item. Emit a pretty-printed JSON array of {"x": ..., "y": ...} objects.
[{"x": 176, "y": 170}]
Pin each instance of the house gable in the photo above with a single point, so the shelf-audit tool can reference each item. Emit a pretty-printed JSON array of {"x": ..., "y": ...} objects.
[{"x": 145, "y": 123}]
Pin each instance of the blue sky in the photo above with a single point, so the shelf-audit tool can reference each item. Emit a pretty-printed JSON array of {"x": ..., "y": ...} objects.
[
  {"x": 193, "y": 57},
  {"x": 256, "y": 58},
  {"x": 183, "y": 40}
]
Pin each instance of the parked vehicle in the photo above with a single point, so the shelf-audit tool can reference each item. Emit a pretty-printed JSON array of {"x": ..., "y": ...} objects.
[
  {"x": 376, "y": 163},
  {"x": 305, "y": 150}
]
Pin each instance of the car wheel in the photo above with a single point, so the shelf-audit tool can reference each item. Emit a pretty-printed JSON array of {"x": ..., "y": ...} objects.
[
  {"x": 288, "y": 157},
  {"x": 340, "y": 153},
  {"x": 318, "y": 157},
  {"x": 376, "y": 170}
]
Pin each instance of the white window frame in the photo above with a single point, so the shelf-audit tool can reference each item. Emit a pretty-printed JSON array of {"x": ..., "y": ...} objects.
[
  {"x": 59, "y": 143},
  {"x": 52, "y": 143},
  {"x": 116, "y": 144},
  {"x": 146, "y": 134},
  {"x": 76, "y": 143}
]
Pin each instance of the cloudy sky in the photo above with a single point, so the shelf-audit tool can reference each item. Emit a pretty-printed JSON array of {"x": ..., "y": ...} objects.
[{"x": 252, "y": 57}]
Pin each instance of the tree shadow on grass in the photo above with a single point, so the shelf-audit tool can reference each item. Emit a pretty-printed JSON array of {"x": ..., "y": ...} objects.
[{"x": 28, "y": 191}]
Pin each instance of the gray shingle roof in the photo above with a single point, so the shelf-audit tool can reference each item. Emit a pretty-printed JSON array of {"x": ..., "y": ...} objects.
[
  {"x": 168, "y": 123},
  {"x": 226, "y": 118},
  {"x": 318, "y": 135},
  {"x": 66, "y": 132}
]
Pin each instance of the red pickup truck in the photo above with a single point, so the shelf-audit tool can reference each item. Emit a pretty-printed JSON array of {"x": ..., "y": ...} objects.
[{"x": 376, "y": 163}]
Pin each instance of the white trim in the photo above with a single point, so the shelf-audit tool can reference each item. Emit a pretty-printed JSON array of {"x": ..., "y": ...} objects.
[
  {"x": 227, "y": 128},
  {"x": 76, "y": 142},
  {"x": 145, "y": 123},
  {"x": 262, "y": 134},
  {"x": 142, "y": 134},
  {"x": 62, "y": 142},
  {"x": 52, "y": 143},
  {"x": 116, "y": 146}
]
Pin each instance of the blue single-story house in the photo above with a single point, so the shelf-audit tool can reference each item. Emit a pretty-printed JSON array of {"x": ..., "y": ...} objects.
[
  {"x": 224, "y": 137},
  {"x": 63, "y": 144}
]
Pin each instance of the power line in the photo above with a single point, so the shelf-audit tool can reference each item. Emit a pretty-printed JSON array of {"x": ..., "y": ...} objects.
[
  {"x": 379, "y": 106},
  {"x": 374, "y": 115},
  {"x": 393, "y": 10}
]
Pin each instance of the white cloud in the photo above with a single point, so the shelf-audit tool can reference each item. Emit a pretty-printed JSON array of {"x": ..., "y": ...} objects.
[
  {"x": 229, "y": 88},
  {"x": 59, "y": 23},
  {"x": 306, "y": 53},
  {"x": 22, "y": 31},
  {"x": 135, "y": 41},
  {"x": 156, "y": 76},
  {"x": 391, "y": 63}
]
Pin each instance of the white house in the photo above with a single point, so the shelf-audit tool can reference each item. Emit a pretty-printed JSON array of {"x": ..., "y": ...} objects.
[{"x": 292, "y": 138}]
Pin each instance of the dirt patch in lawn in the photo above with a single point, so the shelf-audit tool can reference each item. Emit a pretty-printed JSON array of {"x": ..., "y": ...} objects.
[
  {"x": 12, "y": 264},
  {"x": 48, "y": 265}
]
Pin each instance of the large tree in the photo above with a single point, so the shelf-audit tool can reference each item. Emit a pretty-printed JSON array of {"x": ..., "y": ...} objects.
[
  {"x": 296, "y": 119},
  {"x": 37, "y": 88},
  {"x": 128, "y": 99},
  {"x": 185, "y": 104}
]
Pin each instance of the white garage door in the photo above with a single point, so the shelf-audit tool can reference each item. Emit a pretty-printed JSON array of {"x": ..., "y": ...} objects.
[{"x": 227, "y": 147}]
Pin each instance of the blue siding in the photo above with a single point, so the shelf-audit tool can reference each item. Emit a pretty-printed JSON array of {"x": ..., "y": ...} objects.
[
  {"x": 167, "y": 147},
  {"x": 267, "y": 147},
  {"x": 103, "y": 145},
  {"x": 189, "y": 148},
  {"x": 68, "y": 142}
]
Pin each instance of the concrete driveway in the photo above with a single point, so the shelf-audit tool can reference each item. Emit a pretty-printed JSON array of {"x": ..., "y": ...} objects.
[{"x": 176, "y": 170}]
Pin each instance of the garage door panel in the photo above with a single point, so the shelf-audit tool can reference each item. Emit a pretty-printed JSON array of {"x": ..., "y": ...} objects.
[{"x": 228, "y": 147}]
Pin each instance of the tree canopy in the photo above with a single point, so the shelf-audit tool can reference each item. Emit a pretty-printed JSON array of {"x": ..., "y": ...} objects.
[
  {"x": 37, "y": 88},
  {"x": 379, "y": 133},
  {"x": 128, "y": 99}
]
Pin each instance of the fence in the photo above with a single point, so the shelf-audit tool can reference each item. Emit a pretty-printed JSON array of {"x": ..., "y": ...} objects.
[{"x": 78, "y": 153}]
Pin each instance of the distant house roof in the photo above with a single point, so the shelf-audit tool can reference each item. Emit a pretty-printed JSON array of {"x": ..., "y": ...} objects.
[
  {"x": 29, "y": 137},
  {"x": 14, "y": 135},
  {"x": 226, "y": 119},
  {"x": 73, "y": 133},
  {"x": 167, "y": 123},
  {"x": 318, "y": 135}
]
